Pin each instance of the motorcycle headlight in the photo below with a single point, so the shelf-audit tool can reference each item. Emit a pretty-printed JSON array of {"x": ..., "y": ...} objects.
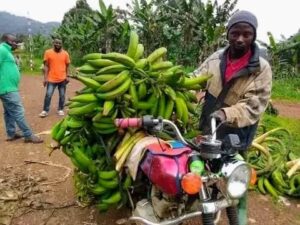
[{"x": 237, "y": 174}]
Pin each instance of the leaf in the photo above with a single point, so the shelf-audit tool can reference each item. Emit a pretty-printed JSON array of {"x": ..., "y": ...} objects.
[{"x": 102, "y": 8}]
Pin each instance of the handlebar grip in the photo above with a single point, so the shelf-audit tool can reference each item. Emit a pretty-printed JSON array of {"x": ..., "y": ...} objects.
[{"x": 128, "y": 122}]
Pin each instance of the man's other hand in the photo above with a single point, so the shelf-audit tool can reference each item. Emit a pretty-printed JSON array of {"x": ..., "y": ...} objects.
[{"x": 219, "y": 115}]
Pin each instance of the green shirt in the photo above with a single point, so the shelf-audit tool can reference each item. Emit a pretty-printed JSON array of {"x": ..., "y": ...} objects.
[{"x": 9, "y": 72}]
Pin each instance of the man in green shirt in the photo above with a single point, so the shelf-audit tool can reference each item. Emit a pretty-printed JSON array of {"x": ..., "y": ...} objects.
[{"x": 9, "y": 93}]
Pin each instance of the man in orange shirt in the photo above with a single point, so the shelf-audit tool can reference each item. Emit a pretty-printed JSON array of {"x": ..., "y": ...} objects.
[{"x": 56, "y": 74}]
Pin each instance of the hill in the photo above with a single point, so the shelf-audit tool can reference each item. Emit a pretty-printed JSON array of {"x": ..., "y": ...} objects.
[{"x": 10, "y": 23}]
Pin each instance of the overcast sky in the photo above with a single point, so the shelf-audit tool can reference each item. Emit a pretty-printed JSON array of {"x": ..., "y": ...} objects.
[{"x": 280, "y": 17}]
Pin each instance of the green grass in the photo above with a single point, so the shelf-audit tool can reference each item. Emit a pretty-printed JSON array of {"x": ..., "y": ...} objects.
[
  {"x": 286, "y": 89},
  {"x": 292, "y": 125}
]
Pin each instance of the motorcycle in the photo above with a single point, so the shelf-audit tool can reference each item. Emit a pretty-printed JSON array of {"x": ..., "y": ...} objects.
[{"x": 182, "y": 179}]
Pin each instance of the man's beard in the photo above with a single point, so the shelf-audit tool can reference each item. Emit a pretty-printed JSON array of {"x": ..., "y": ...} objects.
[
  {"x": 57, "y": 49},
  {"x": 239, "y": 52}
]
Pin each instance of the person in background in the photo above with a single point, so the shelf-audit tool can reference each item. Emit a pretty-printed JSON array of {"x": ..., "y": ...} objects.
[
  {"x": 238, "y": 92},
  {"x": 56, "y": 74},
  {"x": 9, "y": 93}
]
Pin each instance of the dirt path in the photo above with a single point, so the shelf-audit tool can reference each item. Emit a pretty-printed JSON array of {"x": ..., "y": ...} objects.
[
  {"x": 287, "y": 109},
  {"x": 29, "y": 200}
]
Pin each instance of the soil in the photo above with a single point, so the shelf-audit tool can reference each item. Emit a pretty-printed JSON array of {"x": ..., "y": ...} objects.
[
  {"x": 36, "y": 187},
  {"x": 287, "y": 109}
]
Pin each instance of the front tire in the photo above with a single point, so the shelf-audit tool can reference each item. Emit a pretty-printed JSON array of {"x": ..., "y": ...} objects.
[
  {"x": 208, "y": 219},
  {"x": 232, "y": 215}
]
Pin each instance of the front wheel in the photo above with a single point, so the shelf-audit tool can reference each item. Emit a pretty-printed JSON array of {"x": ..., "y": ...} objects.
[
  {"x": 232, "y": 215},
  {"x": 208, "y": 219}
]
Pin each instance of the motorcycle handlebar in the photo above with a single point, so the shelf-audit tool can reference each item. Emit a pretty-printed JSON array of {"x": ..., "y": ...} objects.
[
  {"x": 148, "y": 122},
  {"x": 128, "y": 122}
]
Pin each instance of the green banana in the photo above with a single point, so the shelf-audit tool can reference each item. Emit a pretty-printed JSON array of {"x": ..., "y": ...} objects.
[
  {"x": 169, "y": 108},
  {"x": 170, "y": 92},
  {"x": 191, "y": 107},
  {"x": 270, "y": 189},
  {"x": 74, "y": 123},
  {"x": 108, "y": 120},
  {"x": 104, "y": 126},
  {"x": 86, "y": 98},
  {"x": 91, "y": 56},
  {"x": 75, "y": 104},
  {"x": 97, "y": 189},
  {"x": 194, "y": 81},
  {"x": 278, "y": 178},
  {"x": 139, "y": 52},
  {"x": 181, "y": 110},
  {"x": 98, "y": 63},
  {"x": 133, "y": 94},
  {"x": 97, "y": 116},
  {"x": 172, "y": 78},
  {"x": 116, "y": 92},
  {"x": 86, "y": 165},
  {"x": 107, "y": 107},
  {"x": 143, "y": 105},
  {"x": 88, "y": 108},
  {"x": 107, "y": 175},
  {"x": 120, "y": 58},
  {"x": 110, "y": 184},
  {"x": 294, "y": 181},
  {"x": 133, "y": 44},
  {"x": 141, "y": 63},
  {"x": 114, "y": 82},
  {"x": 114, "y": 198},
  {"x": 294, "y": 185},
  {"x": 89, "y": 82},
  {"x": 191, "y": 96},
  {"x": 161, "y": 66},
  {"x": 175, "y": 68},
  {"x": 106, "y": 131},
  {"x": 55, "y": 129},
  {"x": 104, "y": 77},
  {"x": 261, "y": 185},
  {"x": 142, "y": 90},
  {"x": 111, "y": 69},
  {"x": 62, "y": 130},
  {"x": 156, "y": 54},
  {"x": 87, "y": 69}
]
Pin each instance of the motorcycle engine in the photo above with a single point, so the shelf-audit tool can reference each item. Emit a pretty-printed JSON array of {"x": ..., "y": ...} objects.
[{"x": 167, "y": 207}]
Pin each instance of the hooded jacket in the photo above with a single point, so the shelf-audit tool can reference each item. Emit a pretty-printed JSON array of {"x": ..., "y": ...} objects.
[{"x": 243, "y": 99}]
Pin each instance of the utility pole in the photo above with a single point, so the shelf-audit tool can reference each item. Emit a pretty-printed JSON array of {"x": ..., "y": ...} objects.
[{"x": 30, "y": 42}]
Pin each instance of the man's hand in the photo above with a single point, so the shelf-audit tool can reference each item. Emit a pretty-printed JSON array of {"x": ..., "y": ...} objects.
[
  {"x": 219, "y": 115},
  {"x": 45, "y": 83}
]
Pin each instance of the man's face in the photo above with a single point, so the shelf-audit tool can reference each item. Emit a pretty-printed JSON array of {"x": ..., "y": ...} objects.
[
  {"x": 240, "y": 37},
  {"x": 12, "y": 41},
  {"x": 57, "y": 45}
]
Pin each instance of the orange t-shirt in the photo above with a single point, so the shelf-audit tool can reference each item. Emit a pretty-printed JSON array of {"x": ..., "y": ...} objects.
[{"x": 57, "y": 65}]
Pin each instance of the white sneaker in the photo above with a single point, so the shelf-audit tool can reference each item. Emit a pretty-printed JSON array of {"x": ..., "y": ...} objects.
[
  {"x": 60, "y": 113},
  {"x": 43, "y": 114}
]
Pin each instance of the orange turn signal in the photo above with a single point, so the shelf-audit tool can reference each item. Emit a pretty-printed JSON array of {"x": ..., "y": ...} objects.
[
  {"x": 191, "y": 183},
  {"x": 253, "y": 178}
]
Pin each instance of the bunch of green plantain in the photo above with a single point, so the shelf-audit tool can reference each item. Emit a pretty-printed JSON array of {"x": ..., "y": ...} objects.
[
  {"x": 268, "y": 155},
  {"x": 121, "y": 85}
]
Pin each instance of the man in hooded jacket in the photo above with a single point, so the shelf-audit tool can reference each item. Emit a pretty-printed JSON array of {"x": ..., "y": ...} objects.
[{"x": 240, "y": 88}]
